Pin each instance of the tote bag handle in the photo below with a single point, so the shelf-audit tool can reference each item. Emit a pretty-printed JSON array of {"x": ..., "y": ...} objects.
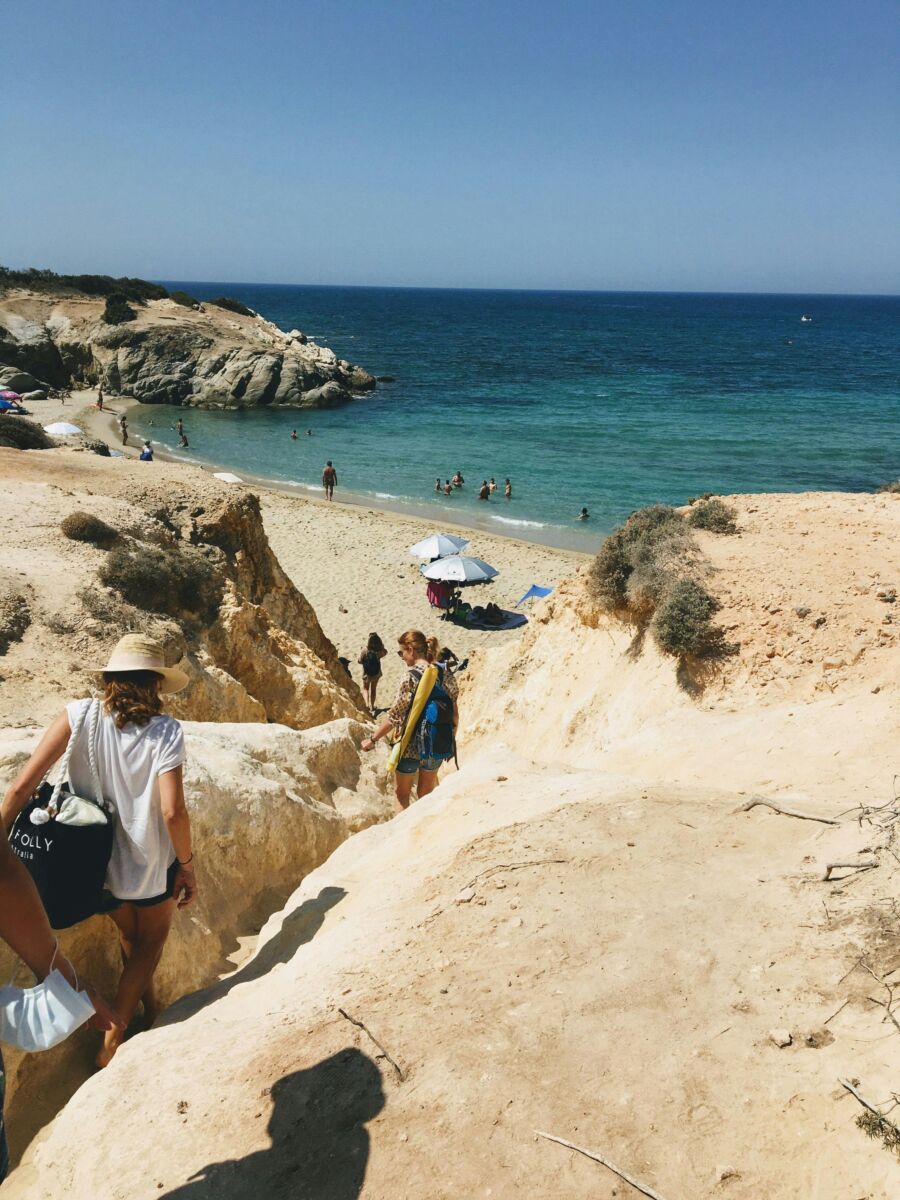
[{"x": 94, "y": 708}]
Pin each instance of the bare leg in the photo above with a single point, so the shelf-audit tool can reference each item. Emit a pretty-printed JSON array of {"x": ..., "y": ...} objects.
[
  {"x": 402, "y": 789},
  {"x": 428, "y": 781},
  {"x": 374, "y": 688},
  {"x": 143, "y": 934}
]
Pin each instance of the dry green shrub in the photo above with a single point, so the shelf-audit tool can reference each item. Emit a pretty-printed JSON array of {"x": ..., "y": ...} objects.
[
  {"x": 636, "y": 563},
  {"x": 15, "y": 617},
  {"x": 84, "y": 527},
  {"x": 881, "y": 1129},
  {"x": 682, "y": 624},
  {"x": 18, "y": 433},
  {"x": 713, "y": 515},
  {"x": 176, "y": 580},
  {"x": 650, "y": 571}
]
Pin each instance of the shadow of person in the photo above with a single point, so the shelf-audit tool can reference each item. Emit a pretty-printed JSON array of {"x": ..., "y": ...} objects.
[
  {"x": 320, "y": 1146},
  {"x": 298, "y": 927}
]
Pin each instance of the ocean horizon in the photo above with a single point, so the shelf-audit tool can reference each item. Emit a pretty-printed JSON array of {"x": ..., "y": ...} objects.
[{"x": 604, "y": 400}]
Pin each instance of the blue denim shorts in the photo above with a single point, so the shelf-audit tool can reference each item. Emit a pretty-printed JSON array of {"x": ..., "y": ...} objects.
[{"x": 411, "y": 766}]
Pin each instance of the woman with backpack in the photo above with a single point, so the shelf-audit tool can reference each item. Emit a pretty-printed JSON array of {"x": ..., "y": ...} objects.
[
  {"x": 370, "y": 661},
  {"x": 430, "y": 743},
  {"x": 125, "y": 749}
]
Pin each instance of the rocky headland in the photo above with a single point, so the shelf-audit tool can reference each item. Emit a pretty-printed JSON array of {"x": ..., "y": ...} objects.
[{"x": 168, "y": 353}]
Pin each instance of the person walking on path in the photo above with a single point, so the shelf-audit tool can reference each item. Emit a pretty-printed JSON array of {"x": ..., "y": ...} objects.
[
  {"x": 412, "y": 768},
  {"x": 139, "y": 756},
  {"x": 370, "y": 661},
  {"x": 329, "y": 479}
]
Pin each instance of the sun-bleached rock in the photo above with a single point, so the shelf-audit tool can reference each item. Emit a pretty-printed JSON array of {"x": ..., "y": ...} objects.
[
  {"x": 170, "y": 354},
  {"x": 267, "y": 805}
]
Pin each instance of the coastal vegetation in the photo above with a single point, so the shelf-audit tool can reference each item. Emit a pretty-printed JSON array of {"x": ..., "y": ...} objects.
[
  {"x": 177, "y": 581},
  {"x": 185, "y": 299},
  {"x": 42, "y": 280},
  {"x": 85, "y": 527},
  {"x": 232, "y": 305},
  {"x": 650, "y": 572},
  {"x": 19, "y": 434},
  {"x": 117, "y": 310},
  {"x": 713, "y": 515}
]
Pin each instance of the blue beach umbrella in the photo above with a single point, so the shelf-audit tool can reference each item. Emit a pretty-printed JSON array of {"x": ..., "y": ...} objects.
[{"x": 534, "y": 592}]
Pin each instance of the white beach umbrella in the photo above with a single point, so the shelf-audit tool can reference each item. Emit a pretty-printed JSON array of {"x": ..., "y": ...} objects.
[
  {"x": 460, "y": 569},
  {"x": 60, "y": 428},
  {"x": 227, "y": 477},
  {"x": 438, "y": 545}
]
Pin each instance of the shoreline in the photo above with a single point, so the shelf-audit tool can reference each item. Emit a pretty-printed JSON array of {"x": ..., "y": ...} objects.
[{"x": 105, "y": 426}]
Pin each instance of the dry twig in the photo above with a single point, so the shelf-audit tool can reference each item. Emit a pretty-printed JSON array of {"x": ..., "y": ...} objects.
[
  {"x": 836, "y": 1011},
  {"x": 367, "y": 1030},
  {"x": 785, "y": 812},
  {"x": 845, "y": 1083},
  {"x": 640, "y": 1187},
  {"x": 865, "y": 864}
]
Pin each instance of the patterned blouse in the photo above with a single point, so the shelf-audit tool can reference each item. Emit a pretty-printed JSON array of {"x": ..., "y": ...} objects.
[{"x": 400, "y": 707}]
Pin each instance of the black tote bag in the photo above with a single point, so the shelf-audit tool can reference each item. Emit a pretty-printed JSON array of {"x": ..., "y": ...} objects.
[{"x": 67, "y": 861}]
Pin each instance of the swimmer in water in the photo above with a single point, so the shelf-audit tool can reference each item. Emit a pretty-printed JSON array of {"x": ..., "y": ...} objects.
[
  {"x": 584, "y": 515},
  {"x": 437, "y": 485},
  {"x": 484, "y": 492},
  {"x": 457, "y": 479},
  {"x": 493, "y": 485},
  {"x": 448, "y": 489},
  {"x": 293, "y": 435},
  {"x": 507, "y": 490}
]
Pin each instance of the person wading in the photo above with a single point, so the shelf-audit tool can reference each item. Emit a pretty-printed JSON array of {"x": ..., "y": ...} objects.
[
  {"x": 329, "y": 479},
  {"x": 412, "y": 768},
  {"x": 139, "y": 759}
]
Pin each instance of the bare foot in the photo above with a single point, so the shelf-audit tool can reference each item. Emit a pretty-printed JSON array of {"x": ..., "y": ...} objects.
[{"x": 107, "y": 1051}]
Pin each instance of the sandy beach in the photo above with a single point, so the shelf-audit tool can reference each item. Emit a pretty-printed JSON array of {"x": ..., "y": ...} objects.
[{"x": 351, "y": 561}]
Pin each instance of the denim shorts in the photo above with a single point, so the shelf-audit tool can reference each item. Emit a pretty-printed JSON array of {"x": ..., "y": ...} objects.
[{"x": 411, "y": 766}]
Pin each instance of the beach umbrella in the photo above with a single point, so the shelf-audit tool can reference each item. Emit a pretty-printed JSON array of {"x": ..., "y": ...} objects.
[
  {"x": 227, "y": 477},
  {"x": 461, "y": 570},
  {"x": 61, "y": 428},
  {"x": 438, "y": 545},
  {"x": 534, "y": 591}
]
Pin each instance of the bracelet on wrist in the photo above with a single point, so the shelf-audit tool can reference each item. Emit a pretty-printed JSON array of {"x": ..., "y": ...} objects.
[{"x": 186, "y": 861}]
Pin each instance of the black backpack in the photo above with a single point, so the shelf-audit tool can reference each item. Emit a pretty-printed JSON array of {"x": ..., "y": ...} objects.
[{"x": 371, "y": 663}]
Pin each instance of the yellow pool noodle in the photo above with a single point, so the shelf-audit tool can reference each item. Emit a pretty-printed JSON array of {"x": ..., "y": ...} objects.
[{"x": 420, "y": 699}]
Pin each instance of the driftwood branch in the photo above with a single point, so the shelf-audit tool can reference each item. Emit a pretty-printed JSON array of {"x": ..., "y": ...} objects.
[
  {"x": 362, "y": 1025},
  {"x": 865, "y": 864},
  {"x": 835, "y": 1013},
  {"x": 538, "y": 862},
  {"x": 889, "y": 988},
  {"x": 785, "y": 812},
  {"x": 640, "y": 1187}
]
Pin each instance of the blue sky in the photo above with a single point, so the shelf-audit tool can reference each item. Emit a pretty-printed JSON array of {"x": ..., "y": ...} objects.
[{"x": 639, "y": 144}]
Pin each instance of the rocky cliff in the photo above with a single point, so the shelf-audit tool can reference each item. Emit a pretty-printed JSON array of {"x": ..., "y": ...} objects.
[
  {"x": 267, "y": 806},
  {"x": 185, "y": 557},
  {"x": 169, "y": 354}
]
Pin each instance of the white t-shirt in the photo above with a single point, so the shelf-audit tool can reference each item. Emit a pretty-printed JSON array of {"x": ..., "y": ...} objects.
[{"x": 129, "y": 762}]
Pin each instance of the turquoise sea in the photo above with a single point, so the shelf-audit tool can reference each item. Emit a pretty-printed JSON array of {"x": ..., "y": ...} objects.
[{"x": 608, "y": 400}]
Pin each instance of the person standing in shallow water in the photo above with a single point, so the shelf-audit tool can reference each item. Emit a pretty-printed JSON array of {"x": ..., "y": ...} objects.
[
  {"x": 484, "y": 492},
  {"x": 507, "y": 490},
  {"x": 329, "y": 479},
  {"x": 437, "y": 486}
]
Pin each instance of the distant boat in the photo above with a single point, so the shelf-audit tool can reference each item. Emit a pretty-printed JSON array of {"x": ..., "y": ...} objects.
[{"x": 806, "y": 317}]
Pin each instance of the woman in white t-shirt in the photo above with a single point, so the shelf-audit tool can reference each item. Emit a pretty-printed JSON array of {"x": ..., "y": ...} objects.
[{"x": 139, "y": 755}]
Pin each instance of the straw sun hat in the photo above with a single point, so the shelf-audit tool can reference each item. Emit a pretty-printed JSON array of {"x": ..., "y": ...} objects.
[{"x": 134, "y": 652}]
